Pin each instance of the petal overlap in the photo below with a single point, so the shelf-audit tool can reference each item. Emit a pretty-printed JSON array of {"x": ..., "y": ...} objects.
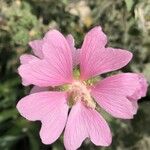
[
  {"x": 51, "y": 68},
  {"x": 36, "y": 46},
  {"x": 112, "y": 94},
  {"x": 56, "y": 66},
  {"x": 75, "y": 52}
]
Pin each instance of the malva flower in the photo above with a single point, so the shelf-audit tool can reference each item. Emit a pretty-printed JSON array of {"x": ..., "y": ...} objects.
[{"x": 68, "y": 89}]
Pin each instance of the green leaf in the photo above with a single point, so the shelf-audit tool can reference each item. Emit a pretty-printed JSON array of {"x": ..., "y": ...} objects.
[
  {"x": 129, "y": 4},
  {"x": 6, "y": 114},
  {"x": 6, "y": 142},
  {"x": 34, "y": 144},
  {"x": 146, "y": 71}
]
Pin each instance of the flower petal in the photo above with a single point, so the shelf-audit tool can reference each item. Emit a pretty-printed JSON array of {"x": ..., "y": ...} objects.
[
  {"x": 26, "y": 58},
  {"x": 50, "y": 108},
  {"x": 70, "y": 41},
  {"x": 135, "y": 106},
  {"x": 142, "y": 90},
  {"x": 85, "y": 122},
  {"x": 113, "y": 94},
  {"x": 56, "y": 48},
  {"x": 25, "y": 83},
  {"x": 95, "y": 59},
  {"x": 75, "y": 52},
  {"x": 43, "y": 74},
  {"x": 58, "y": 54},
  {"x": 36, "y": 45},
  {"x": 139, "y": 93},
  {"x": 56, "y": 66}
]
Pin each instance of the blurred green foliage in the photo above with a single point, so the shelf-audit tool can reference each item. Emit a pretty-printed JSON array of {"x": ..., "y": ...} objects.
[{"x": 127, "y": 24}]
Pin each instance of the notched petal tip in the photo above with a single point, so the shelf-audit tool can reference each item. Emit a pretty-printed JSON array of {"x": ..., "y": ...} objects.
[
  {"x": 48, "y": 107},
  {"x": 96, "y": 58},
  {"x": 45, "y": 140},
  {"x": 97, "y": 28},
  {"x": 141, "y": 89},
  {"x": 20, "y": 71},
  {"x": 84, "y": 122},
  {"x": 114, "y": 94},
  {"x": 21, "y": 107}
]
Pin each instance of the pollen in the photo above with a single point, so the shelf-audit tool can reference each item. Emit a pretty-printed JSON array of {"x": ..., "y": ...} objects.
[{"x": 78, "y": 91}]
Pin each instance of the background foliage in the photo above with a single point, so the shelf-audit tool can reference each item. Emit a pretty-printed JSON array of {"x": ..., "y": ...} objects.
[{"x": 127, "y": 24}]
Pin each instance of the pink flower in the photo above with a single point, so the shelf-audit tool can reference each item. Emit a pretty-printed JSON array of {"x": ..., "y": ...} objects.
[
  {"x": 36, "y": 45},
  {"x": 59, "y": 86}
]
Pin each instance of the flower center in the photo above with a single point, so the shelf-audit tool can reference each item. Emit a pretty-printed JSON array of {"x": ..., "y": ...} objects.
[{"x": 78, "y": 91}]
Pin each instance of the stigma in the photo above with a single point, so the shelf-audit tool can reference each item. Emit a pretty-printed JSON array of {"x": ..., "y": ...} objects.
[{"x": 78, "y": 91}]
